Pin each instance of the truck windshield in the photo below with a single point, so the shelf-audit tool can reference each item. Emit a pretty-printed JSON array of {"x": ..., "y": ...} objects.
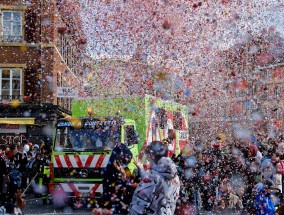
[{"x": 86, "y": 139}]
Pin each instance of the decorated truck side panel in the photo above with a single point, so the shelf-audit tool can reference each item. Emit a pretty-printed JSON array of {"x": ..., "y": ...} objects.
[{"x": 155, "y": 118}]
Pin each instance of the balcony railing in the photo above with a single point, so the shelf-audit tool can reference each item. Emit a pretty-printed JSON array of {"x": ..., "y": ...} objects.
[
  {"x": 11, "y": 38},
  {"x": 20, "y": 98}
]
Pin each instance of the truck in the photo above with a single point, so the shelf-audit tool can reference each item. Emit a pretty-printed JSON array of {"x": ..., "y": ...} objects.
[{"x": 83, "y": 143}]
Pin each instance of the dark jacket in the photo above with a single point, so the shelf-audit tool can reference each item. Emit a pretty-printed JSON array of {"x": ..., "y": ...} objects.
[
  {"x": 3, "y": 168},
  {"x": 112, "y": 178}
]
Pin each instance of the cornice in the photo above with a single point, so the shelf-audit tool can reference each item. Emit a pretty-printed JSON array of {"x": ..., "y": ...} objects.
[
  {"x": 12, "y": 7},
  {"x": 12, "y": 44}
]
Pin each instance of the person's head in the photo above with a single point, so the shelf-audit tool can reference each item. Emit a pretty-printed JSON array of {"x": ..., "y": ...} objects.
[
  {"x": 21, "y": 149},
  {"x": 38, "y": 156},
  {"x": 122, "y": 154},
  {"x": 268, "y": 185},
  {"x": 252, "y": 150},
  {"x": 171, "y": 134},
  {"x": 156, "y": 150},
  {"x": 26, "y": 148},
  {"x": 35, "y": 147},
  {"x": 241, "y": 191},
  {"x": 187, "y": 150}
]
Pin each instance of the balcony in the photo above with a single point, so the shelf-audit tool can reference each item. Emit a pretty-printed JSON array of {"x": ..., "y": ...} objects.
[
  {"x": 20, "y": 98},
  {"x": 11, "y": 38}
]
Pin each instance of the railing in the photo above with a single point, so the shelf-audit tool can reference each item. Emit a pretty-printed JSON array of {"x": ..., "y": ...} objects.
[
  {"x": 20, "y": 98},
  {"x": 11, "y": 38},
  {"x": 10, "y": 98}
]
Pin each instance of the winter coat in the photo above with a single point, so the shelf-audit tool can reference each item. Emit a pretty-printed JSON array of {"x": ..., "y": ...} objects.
[
  {"x": 264, "y": 203},
  {"x": 3, "y": 168},
  {"x": 112, "y": 178},
  {"x": 158, "y": 192}
]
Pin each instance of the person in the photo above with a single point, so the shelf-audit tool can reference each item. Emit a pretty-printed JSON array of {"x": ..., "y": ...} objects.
[
  {"x": 157, "y": 193},
  {"x": 3, "y": 171},
  {"x": 113, "y": 184},
  {"x": 44, "y": 179},
  {"x": 170, "y": 142},
  {"x": 277, "y": 176},
  {"x": 34, "y": 174},
  {"x": 263, "y": 202},
  {"x": 13, "y": 209},
  {"x": 15, "y": 177}
]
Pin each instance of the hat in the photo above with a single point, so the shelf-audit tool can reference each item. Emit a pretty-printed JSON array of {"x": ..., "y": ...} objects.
[
  {"x": 156, "y": 150},
  {"x": 26, "y": 148},
  {"x": 253, "y": 150},
  {"x": 268, "y": 184},
  {"x": 121, "y": 153},
  {"x": 36, "y": 146}
]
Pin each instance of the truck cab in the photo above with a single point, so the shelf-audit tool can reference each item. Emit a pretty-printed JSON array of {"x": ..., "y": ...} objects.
[{"x": 80, "y": 153}]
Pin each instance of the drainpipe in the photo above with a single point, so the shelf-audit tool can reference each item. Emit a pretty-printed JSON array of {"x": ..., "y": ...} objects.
[{"x": 41, "y": 67}]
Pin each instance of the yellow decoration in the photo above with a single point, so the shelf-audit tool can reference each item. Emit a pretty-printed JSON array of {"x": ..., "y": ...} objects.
[
  {"x": 161, "y": 76},
  {"x": 222, "y": 137},
  {"x": 90, "y": 111},
  {"x": 102, "y": 119},
  {"x": 15, "y": 103},
  {"x": 90, "y": 77},
  {"x": 76, "y": 122}
]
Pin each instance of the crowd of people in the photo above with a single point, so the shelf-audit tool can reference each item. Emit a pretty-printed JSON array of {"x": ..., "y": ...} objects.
[
  {"x": 209, "y": 177},
  {"x": 21, "y": 166},
  {"x": 240, "y": 177}
]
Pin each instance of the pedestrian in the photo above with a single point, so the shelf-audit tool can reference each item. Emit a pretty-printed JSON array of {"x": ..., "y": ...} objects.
[
  {"x": 158, "y": 192},
  {"x": 15, "y": 178},
  {"x": 113, "y": 183},
  {"x": 44, "y": 175},
  {"x": 23, "y": 162},
  {"x": 277, "y": 176},
  {"x": 35, "y": 173},
  {"x": 263, "y": 201},
  {"x": 3, "y": 171}
]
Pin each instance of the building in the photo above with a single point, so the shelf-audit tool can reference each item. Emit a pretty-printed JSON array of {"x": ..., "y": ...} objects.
[{"x": 41, "y": 49}]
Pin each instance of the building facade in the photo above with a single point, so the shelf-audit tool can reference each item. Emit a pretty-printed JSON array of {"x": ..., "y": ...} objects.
[{"x": 41, "y": 49}]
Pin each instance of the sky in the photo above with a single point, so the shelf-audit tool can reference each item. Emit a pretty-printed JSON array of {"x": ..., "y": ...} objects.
[{"x": 180, "y": 34}]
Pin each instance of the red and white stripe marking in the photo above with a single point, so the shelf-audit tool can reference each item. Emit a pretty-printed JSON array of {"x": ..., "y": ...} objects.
[
  {"x": 81, "y": 188},
  {"x": 81, "y": 161}
]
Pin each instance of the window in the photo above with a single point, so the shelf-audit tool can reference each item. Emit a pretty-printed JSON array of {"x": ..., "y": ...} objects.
[
  {"x": 66, "y": 51},
  {"x": 162, "y": 118},
  {"x": 177, "y": 120},
  {"x": 130, "y": 135},
  {"x": 10, "y": 84},
  {"x": 11, "y": 26}
]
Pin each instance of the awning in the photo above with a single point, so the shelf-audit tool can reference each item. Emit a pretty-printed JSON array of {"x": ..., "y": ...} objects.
[{"x": 21, "y": 121}]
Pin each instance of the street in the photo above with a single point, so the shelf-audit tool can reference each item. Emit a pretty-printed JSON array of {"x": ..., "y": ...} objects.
[{"x": 34, "y": 207}]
